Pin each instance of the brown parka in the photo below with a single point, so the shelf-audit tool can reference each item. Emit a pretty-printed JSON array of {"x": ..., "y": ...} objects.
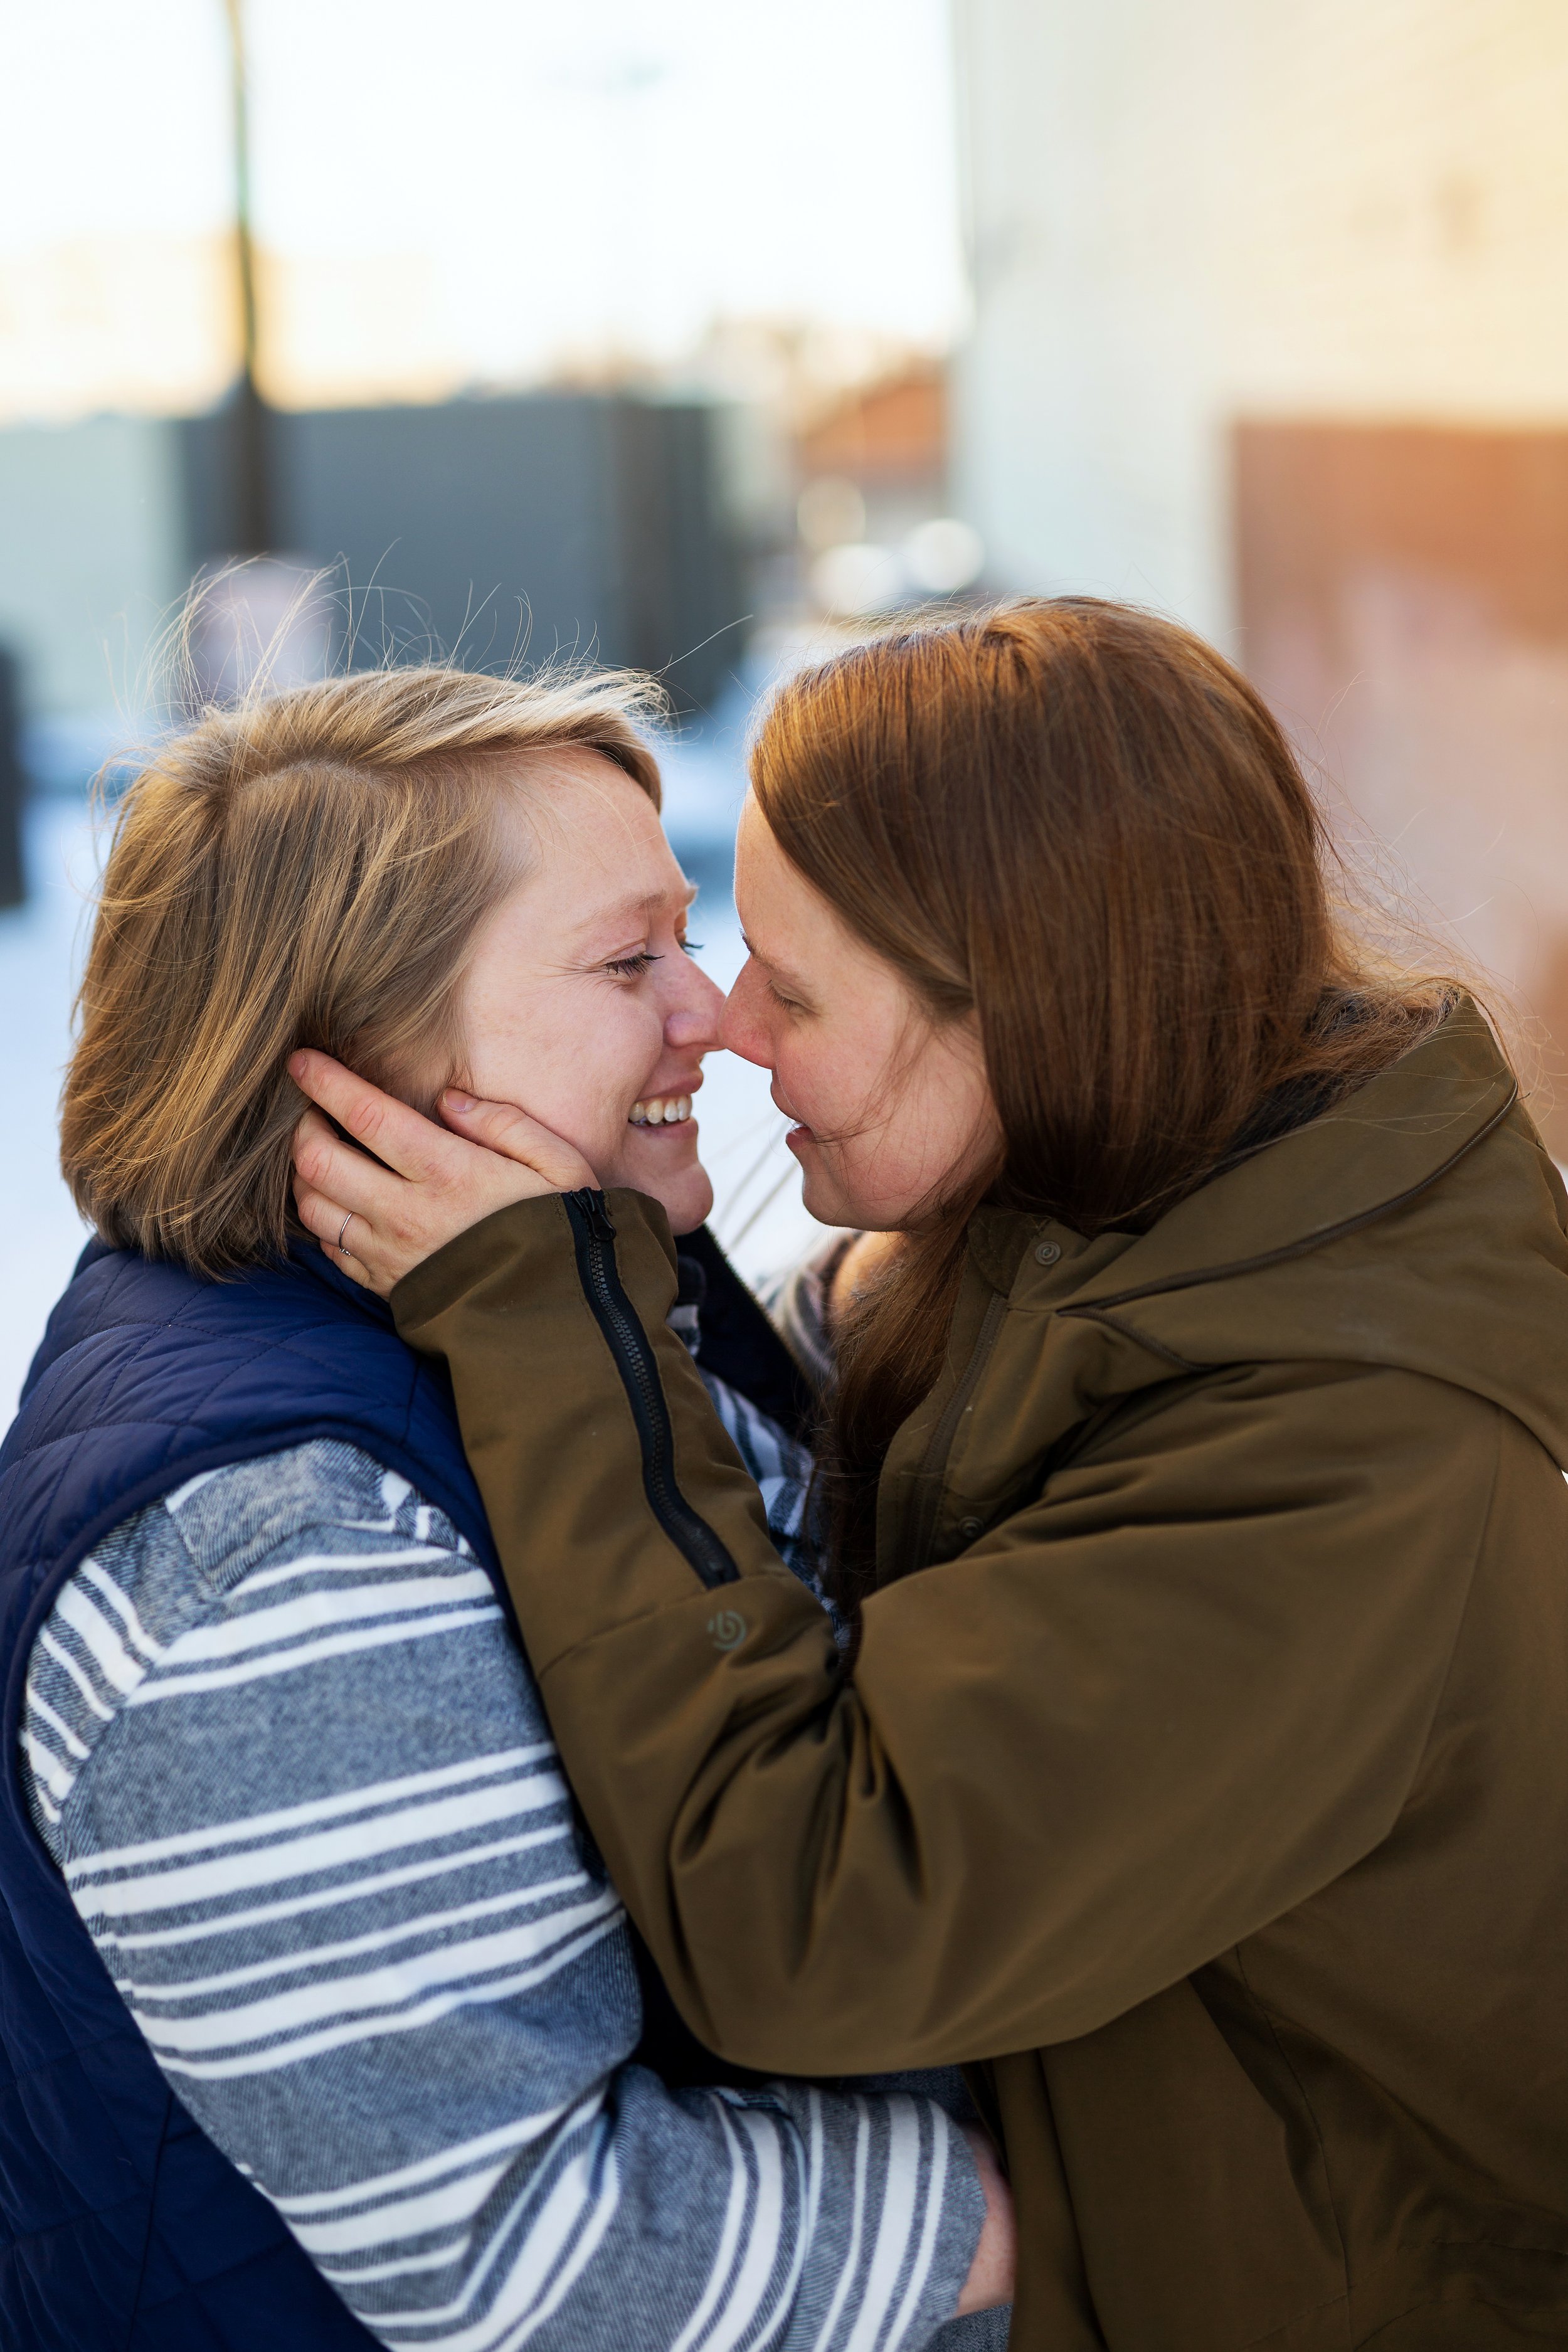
[{"x": 1204, "y": 1771}]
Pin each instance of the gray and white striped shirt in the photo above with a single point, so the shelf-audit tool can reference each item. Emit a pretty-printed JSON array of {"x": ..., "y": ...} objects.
[{"x": 285, "y": 1747}]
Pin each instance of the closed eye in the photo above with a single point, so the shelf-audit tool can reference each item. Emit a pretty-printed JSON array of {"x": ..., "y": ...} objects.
[{"x": 632, "y": 967}]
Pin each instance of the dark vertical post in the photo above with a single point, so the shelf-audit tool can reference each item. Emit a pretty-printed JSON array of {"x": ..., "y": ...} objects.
[
  {"x": 13, "y": 785},
  {"x": 253, "y": 516}
]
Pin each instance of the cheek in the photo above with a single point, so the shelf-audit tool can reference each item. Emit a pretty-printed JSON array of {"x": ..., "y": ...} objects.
[
  {"x": 886, "y": 1142},
  {"x": 828, "y": 1083},
  {"x": 612, "y": 1054},
  {"x": 576, "y": 1070},
  {"x": 932, "y": 1132}
]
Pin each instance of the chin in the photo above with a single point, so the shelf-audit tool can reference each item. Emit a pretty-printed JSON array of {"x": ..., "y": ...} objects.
[
  {"x": 685, "y": 1195},
  {"x": 823, "y": 1200},
  {"x": 689, "y": 1202},
  {"x": 829, "y": 1193}
]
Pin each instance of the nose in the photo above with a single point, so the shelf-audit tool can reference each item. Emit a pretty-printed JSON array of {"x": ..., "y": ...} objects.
[
  {"x": 692, "y": 1019},
  {"x": 741, "y": 1028}
]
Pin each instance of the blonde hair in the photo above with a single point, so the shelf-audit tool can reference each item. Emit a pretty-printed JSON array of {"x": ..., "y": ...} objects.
[{"x": 307, "y": 870}]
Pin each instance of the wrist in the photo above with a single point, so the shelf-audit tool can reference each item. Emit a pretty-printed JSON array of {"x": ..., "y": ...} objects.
[{"x": 991, "y": 2273}]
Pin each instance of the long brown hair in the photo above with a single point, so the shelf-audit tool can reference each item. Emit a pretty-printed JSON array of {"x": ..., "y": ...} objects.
[
  {"x": 1076, "y": 822},
  {"x": 307, "y": 869}
]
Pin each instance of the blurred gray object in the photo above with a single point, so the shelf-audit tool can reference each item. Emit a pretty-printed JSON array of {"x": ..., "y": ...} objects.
[
  {"x": 13, "y": 784},
  {"x": 263, "y": 617},
  {"x": 585, "y": 523}
]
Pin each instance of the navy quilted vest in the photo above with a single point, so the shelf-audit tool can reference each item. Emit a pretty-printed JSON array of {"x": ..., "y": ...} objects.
[{"x": 123, "y": 2229}]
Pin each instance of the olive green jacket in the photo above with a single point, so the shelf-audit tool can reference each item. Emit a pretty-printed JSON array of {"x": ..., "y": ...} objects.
[{"x": 1205, "y": 1767}]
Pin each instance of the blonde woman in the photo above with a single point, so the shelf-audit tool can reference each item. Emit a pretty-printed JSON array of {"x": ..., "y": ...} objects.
[{"x": 321, "y": 2011}]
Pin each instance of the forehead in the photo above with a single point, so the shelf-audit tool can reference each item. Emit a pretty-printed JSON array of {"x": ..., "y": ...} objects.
[
  {"x": 592, "y": 835},
  {"x": 771, "y": 892},
  {"x": 790, "y": 928}
]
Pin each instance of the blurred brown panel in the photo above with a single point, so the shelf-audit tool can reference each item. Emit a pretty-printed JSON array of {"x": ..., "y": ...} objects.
[
  {"x": 891, "y": 432},
  {"x": 1485, "y": 510},
  {"x": 1404, "y": 594}
]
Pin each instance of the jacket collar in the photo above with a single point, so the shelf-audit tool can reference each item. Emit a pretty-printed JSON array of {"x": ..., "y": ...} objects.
[{"x": 1376, "y": 1150}]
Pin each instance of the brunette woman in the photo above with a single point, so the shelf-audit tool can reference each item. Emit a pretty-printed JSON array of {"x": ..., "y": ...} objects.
[{"x": 1194, "y": 1473}]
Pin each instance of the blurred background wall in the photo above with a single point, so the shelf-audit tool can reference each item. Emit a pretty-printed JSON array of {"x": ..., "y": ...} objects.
[
  {"x": 1270, "y": 332},
  {"x": 699, "y": 336}
]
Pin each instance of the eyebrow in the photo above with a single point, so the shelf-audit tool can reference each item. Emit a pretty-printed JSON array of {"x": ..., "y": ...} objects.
[
  {"x": 783, "y": 972},
  {"x": 626, "y": 910}
]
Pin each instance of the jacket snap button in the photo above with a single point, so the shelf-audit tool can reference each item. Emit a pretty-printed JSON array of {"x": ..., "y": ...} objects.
[
  {"x": 1047, "y": 1253},
  {"x": 970, "y": 1529}
]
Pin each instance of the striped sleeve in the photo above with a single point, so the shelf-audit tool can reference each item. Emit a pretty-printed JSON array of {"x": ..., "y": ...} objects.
[{"x": 281, "y": 1741}]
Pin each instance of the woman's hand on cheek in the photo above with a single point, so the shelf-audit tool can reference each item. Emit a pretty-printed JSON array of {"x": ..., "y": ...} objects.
[{"x": 380, "y": 1217}]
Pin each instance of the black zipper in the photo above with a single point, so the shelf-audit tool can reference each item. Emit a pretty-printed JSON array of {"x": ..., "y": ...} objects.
[{"x": 593, "y": 1239}]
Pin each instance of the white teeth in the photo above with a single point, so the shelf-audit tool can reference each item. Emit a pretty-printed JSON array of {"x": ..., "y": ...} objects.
[{"x": 661, "y": 1111}]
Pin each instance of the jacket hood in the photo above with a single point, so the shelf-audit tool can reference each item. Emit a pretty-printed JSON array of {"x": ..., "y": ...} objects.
[{"x": 1421, "y": 1223}]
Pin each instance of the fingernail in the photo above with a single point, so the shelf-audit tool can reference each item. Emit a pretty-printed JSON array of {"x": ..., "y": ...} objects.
[
  {"x": 459, "y": 1101},
  {"x": 297, "y": 1066}
]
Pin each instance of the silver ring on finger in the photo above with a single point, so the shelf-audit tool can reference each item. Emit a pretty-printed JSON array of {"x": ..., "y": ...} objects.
[{"x": 341, "y": 1230}]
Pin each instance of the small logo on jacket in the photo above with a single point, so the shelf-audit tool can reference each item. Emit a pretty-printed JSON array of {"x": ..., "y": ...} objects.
[{"x": 728, "y": 1628}]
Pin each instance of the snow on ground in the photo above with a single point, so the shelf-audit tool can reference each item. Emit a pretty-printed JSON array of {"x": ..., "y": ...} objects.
[{"x": 759, "y": 1216}]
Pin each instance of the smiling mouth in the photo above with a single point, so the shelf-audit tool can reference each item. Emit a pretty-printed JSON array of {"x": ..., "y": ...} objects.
[{"x": 661, "y": 1111}]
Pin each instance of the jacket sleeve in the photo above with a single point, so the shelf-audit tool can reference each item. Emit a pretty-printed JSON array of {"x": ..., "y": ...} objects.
[{"x": 1150, "y": 1713}]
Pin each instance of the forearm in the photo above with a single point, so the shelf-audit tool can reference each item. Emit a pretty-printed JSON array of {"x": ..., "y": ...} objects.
[
  {"x": 686, "y": 1668},
  {"x": 754, "y": 1813}
]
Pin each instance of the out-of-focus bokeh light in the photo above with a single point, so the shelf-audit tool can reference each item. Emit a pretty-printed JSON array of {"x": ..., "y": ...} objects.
[
  {"x": 857, "y": 581},
  {"x": 944, "y": 556},
  {"x": 862, "y": 578}
]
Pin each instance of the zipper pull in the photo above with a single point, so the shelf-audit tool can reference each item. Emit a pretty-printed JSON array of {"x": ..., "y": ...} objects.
[{"x": 590, "y": 1206}]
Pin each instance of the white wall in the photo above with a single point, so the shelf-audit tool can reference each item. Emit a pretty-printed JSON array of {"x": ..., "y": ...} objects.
[{"x": 1182, "y": 213}]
